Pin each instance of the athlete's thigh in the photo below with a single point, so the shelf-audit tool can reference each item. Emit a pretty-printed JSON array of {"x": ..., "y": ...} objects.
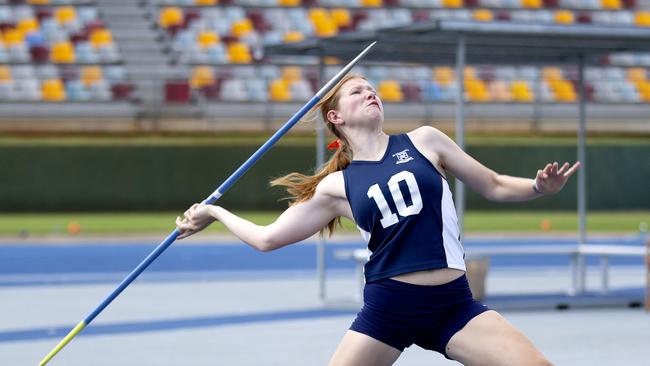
[
  {"x": 357, "y": 349},
  {"x": 488, "y": 339}
]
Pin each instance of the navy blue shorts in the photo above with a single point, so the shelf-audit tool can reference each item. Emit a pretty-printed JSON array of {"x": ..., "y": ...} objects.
[{"x": 401, "y": 314}]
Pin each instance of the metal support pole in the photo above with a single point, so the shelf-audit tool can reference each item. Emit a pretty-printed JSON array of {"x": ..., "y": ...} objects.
[
  {"x": 460, "y": 127},
  {"x": 320, "y": 160},
  {"x": 582, "y": 172}
]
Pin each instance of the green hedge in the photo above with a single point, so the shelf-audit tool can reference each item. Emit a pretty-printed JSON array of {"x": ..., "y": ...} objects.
[{"x": 92, "y": 178}]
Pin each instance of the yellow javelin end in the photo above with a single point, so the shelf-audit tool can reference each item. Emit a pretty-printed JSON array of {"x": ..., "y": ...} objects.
[{"x": 63, "y": 342}]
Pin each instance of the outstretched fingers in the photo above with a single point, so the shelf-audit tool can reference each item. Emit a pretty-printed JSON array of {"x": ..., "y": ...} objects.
[{"x": 572, "y": 169}]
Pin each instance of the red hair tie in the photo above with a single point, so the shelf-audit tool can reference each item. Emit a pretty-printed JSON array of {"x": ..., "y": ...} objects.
[{"x": 334, "y": 145}]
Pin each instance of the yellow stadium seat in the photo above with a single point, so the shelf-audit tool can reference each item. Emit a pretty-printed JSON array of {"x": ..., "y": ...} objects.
[
  {"x": 279, "y": 91},
  {"x": 476, "y": 91},
  {"x": 611, "y": 4},
  {"x": 325, "y": 27},
  {"x": 563, "y": 90},
  {"x": 482, "y": 15},
  {"x": 5, "y": 73},
  {"x": 443, "y": 75},
  {"x": 552, "y": 73},
  {"x": 452, "y": 4},
  {"x": 101, "y": 37},
  {"x": 62, "y": 52},
  {"x": 293, "y": 36},
  {"x": 65, "y": 14},
  {"x": 643, "y": 87},
  {"x": 28, "y": 25},
  {"x": 330, "y": 60},
  {"x": 521, "y": 91},
  {"x": 341, "y": 17},
  {"x": 170, "y": 16},
  {"x": 38, "y": 2},
  {"x": 205, "y": 2},
  {"x": 242, "y": 27},
  {"x": 564, "y": 17},
  {"x": 13, "y": 36},
  {"x": 636, "y": 73},
  {"x": 371, "y": 3},
  {"x": 642, "y": 18},
  {"x": 238, "y": 53},
  {"x": 289, "y": 3},
  {"x": 207, "y": 39},
  {"x": 318, "y": 13},
  {"x": 91, "y": 75},
  {"x": 390, "y": 91},
  {"x": 469, "y": 73},
  {"x": 202, "y": 76},
  {"x": 52, "y": 90},
  {"x": 532, "y": 4},
  {"x": 291, "y": 74}
]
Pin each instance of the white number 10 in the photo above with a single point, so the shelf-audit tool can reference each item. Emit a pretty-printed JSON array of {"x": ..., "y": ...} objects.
[{"x": 389, "y": 218}]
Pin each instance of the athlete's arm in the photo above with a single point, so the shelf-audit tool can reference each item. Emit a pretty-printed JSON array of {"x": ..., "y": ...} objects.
[
  {"x": 445, "y": 153},
  {"x": 298, "y": 222}
]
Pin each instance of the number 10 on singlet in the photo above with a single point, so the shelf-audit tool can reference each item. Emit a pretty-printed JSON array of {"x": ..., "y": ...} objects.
[{"x": 388, "y": 217}]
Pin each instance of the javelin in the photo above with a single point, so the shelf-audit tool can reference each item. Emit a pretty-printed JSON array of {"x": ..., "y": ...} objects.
[{"x": 210, "y": 200}]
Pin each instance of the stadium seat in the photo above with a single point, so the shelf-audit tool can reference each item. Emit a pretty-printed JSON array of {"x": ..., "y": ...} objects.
[
  {"x": 288, "y": 3},
  {"x": 170, "y": 16},
  {"x": 482, "y": 15},
  {"x": 611, "y": 4},
  {"x": 454, "y": 4},
  {"x": 207, "y": 39},
  {"x": 53, "y": 91},
  {"x": 390, "y": 91},
  {"x": 293, "y": 36},
  {"x": 177, "y": 92},
  {"x": 5, "y": 73},
  {"x": 62, "y": 52},
  {"x": 564, "y": 17},
  {"x": 202, "y": 76},
  {"x": 371, "y": 3},
  {"x": 91, "y": 75},
  {"x": 443, "y": 75},
  {"x": 476, "y": 91},
  {"x": 499, "y": 91},
  {"x": 642, "y": 18},
  {"x": 100, "y": 37},
  {"x": 65, "y": 14},
  {"x": 532, "y": 4},
  {"x": 238, "y": 53},
  {"x": 521, "y": 91},
  {"x": 241, "y": 27},
  {"x": 279, "y": 91},
  {"x": 205, "y": 2}
]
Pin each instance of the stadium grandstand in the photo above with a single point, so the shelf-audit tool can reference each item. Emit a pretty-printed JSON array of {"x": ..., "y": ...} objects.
[{"x": 203, "y": 60}]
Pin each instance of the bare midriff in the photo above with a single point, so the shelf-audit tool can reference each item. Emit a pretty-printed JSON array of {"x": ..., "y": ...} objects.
[{"x": 431, "y": 277}]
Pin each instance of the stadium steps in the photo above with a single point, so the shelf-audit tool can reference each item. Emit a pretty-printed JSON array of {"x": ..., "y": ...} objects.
[{"x": 139, "y": 43}]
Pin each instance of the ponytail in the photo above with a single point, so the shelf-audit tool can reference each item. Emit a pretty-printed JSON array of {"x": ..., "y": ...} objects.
[{"x": 302, "y": 187}]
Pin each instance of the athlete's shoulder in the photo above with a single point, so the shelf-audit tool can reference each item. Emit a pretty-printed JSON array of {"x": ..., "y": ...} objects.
[
  {"x": 425, "y": 134},
  {"x": 333, "y": 185}
]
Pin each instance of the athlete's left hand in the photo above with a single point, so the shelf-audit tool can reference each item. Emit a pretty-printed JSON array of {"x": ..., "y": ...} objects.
[
  {"x": 195, "y": 219},
  {"x": 552, "y": 178}
]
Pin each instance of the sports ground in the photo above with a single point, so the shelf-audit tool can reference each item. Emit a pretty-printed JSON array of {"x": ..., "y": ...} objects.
[{"x": 213, "y": 301}]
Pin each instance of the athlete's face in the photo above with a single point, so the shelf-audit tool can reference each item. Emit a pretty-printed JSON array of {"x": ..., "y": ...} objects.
[{"x": 358, "y": 104}]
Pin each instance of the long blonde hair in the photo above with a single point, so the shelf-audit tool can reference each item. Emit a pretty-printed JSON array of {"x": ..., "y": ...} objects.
[{"x": 302, "y": 187}]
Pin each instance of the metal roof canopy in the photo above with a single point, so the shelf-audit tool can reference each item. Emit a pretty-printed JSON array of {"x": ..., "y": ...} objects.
[
  {"x": 459, "y": 42},
  {"x": 436, "y": 42}
]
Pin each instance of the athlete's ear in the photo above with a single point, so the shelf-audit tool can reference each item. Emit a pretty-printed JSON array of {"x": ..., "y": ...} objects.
[{"x": 334, "y": 117}]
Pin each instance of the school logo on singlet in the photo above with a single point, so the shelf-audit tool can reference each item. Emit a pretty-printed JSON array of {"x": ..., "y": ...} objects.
[{"x": 402, "y": 157}]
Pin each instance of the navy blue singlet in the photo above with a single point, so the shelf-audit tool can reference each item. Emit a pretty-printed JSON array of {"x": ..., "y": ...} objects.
[{"x": 405, "y": 211}]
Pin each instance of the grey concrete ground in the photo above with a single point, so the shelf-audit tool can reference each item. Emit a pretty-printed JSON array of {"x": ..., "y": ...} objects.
[{"x": 277, "y": 319}]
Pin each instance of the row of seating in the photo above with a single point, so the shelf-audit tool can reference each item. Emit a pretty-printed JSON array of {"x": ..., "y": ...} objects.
[
  {"x": 512, "y": 4},
  {"x": 64, "y": 34},
  {"x": 418, "y": 84},
  {"x": 52, "y": 83},
  {"x": 232, "y": 34}
]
